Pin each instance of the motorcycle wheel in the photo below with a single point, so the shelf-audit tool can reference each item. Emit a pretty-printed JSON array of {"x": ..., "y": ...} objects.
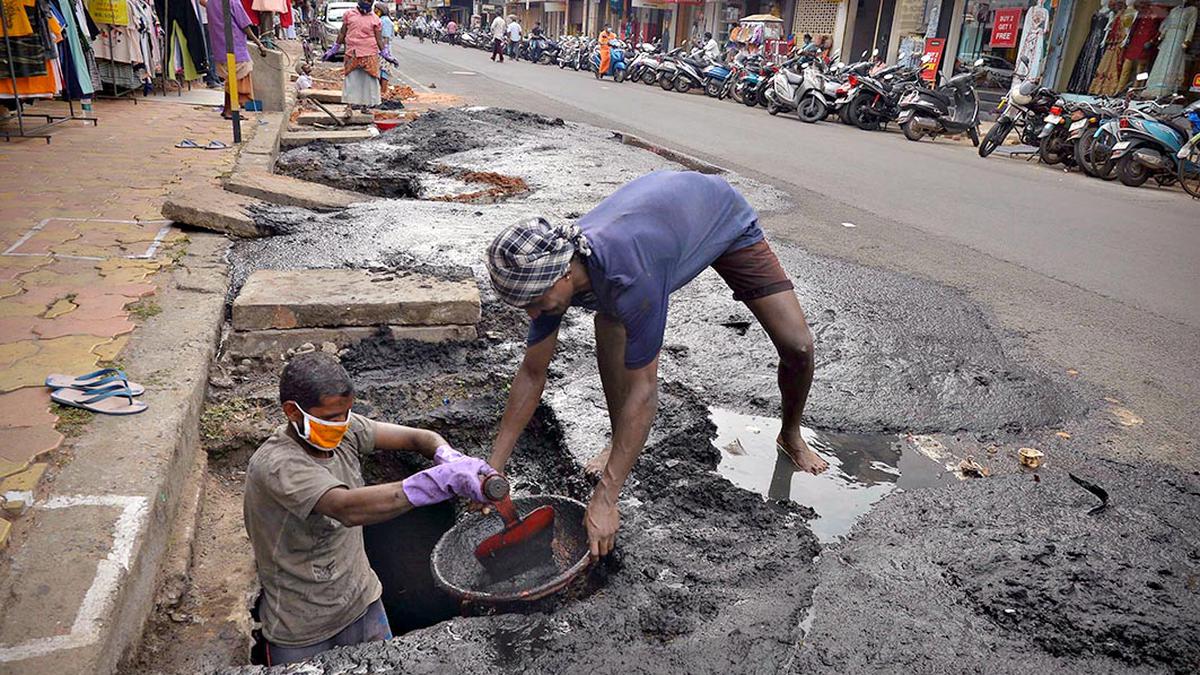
[
  {"x": 712, "y": 88},
  {"x": 666, "y": 83},
  {"x": 619, "y": 76},
  {"x": 1189, "y": 172},
  {"x": 843, "y": 114},
  {"x": 648, "y": 77},
  {"x": 973, "y": 134},
  {"x": 773, "y": 108},
  {"x": 995, "y": 136},
  {"x": 1100, "y": 157},
  {"x": 1131, "y": 173},
  {"x": 812, "y": 110},
  {"x": 1050, "y": 150},
  {"x": 682, "y": 84},
  {"x": 910, "y": 131},
  {"x": 864, "y": 116},
  {"x": 737, "y": 94},
  {"x": 750, "y": 98},
  {"x": 544, "y": 59}
]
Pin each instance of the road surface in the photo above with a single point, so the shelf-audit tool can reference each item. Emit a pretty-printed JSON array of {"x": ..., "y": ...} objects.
[{"x": 1099, "y": 278}]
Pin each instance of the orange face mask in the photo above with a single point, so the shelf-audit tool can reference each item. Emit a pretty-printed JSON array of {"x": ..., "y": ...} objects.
[{"x": 321, "y": 433}]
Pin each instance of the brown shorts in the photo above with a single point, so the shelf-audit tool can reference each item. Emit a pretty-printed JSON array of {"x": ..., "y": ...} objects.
[{"x": 753, "y": 272}]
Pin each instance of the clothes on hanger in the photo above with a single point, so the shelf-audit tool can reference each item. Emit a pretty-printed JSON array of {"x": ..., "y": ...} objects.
[
  {"x": 185, "y": 42},
  {"x": 1107, "y": 81},
  {"x": 1168, "y": 73},
  {"x": 128, "y": 56},
  {"x": 1089, "y": 56},
  {"x": 35, "y": 55}
]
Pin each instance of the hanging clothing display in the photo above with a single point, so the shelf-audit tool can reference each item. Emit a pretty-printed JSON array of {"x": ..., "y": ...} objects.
[
  {"x": 1089, "y": 56},
  {"x": 1107, "y": 81},
  {"x": 34, "y": 42},
  {"x": 1033, "y": 44},
  {"x": 129, "y": 56},
  {"x": 1178, "y": 30},
  {"x": 1141, "y": 45},
  {"x": 74, "y": 52},
  {"x": 185, "y": 42}
]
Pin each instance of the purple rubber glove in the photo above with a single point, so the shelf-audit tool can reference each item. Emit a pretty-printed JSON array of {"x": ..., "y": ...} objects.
[
  {"x": 387, "y": 56},
  {"x": 459, "y": 478},
  {"x": 328, "y": 56},
  {"x": 446, "y": 454}
]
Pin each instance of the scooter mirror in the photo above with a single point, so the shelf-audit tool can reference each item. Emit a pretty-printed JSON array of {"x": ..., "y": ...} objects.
[
  {"x": 927, "y": 58},
  {"x": 978, "y": 62},
  {"x": 888, "y": 76},
  {"x": 875, "y": 52},
  {"x": 1142, "y": 77},
  {"x": 839, "y": 65},
  {"x": 864, "y": 54}
]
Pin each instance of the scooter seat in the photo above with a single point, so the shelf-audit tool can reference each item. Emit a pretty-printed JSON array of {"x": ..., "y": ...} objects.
[
  {"x": 695, "y": 63},
  {"x": 793, "y": 77}
]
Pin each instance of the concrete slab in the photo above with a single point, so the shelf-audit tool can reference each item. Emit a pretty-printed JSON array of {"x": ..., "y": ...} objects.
[
  {"x": 294, "y": 139},
  {"x": 286, "y": 191},
  {"x": 348, "y": 297},
  {"x": 323, "y": 95},
  {"x": 311, "y": 117},
  {"x": 211, "y": 208},
  {"x": 274, "y": 342}
]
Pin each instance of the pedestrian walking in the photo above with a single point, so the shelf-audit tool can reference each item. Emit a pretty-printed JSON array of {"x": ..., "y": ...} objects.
[
  {"x": 606, "y": 36},
  {"x": 362, "y": 35},
  {"x": 498, "y": 38},
  {"x": 242, "y": 31},
  {"x": 514, "y": 37},
  {"x": 623, "y": 259}
]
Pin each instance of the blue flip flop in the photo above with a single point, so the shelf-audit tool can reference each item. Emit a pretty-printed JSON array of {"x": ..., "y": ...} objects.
[
  {"x": 111, "y": 400},
  {"x": 99, "y": 379}
]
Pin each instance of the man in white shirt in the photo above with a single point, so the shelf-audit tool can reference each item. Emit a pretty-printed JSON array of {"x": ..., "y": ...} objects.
[
  {"x": 514, "y": 36},
  {"x": 498, "y": 38},
  {"x": 712, "y": 50}
]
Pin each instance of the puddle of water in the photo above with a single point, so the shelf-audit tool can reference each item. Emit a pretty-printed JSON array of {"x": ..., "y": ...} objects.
[{"x": 863, "y": 469}]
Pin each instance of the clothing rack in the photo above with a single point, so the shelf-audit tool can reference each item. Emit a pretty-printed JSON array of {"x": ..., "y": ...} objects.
[
  {"x": 38, "y": 131},
  {"x": 117, "y": 93}
]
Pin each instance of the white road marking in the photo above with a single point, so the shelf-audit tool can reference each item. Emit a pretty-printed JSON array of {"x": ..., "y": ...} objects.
[
  {"x": 149, "y": 253},
  {"x": 849, "y": 225},
  {"x": 461, "y": 72},
  {"x": 97, "y": 603}
]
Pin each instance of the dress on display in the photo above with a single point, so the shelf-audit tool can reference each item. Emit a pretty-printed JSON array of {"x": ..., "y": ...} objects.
[
  {"x": 1140, "y": 48},
  {"x": 1168, "y": 72},
  {"x": 1089, "y": 56},
  {"x": 1107, "y": 81}
]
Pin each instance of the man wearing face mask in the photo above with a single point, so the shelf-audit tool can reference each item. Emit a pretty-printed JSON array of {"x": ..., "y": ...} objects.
[{"x": 305, "y": 502}]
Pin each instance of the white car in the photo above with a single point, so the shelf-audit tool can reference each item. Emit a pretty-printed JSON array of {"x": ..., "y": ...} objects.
[{"x": 331, "y": 20}]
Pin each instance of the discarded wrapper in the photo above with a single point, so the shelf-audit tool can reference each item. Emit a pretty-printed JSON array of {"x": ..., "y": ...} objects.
[{"x": 1031, "y": 457}]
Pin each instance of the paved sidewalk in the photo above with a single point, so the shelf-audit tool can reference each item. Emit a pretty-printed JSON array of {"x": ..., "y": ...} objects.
[{"x": 81, "y": 237}]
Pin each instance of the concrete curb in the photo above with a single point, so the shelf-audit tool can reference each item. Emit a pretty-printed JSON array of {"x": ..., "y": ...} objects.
[
  {"x": 689, "y": 161},
  {"x": 87, "y": 575}
]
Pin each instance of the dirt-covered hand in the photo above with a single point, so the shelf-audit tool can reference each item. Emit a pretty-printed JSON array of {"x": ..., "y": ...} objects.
[{"x": 602, "y": 520}]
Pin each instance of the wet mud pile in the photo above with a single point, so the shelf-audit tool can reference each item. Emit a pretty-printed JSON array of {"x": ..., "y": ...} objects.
[
  {"x": 397, "y": 163},
  {"x": 707, "y": 577},
  {"x": 1015, "y": 575}
]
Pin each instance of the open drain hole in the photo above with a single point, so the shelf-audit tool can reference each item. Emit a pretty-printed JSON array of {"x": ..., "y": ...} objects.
[
  {"x": 399, "y": 550},
  {"x": 863, "y": 469}
]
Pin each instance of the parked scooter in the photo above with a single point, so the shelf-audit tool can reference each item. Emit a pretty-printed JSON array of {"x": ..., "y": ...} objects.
[
  {"x": 952, "y": 108},
  {"x": 802, "y": 91},
  {"x": 714, "y": 78},
  {"x": 1150, "y": 145},
  {"x": 688, "y": 73},
  {"x": 644, "y": 67}
]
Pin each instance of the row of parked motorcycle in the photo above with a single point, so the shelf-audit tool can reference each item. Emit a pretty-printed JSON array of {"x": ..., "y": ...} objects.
[{"x": 1120, "y": 137}]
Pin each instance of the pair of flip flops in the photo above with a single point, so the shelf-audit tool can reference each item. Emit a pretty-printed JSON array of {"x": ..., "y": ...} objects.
[
  {"x": 188, "y": 143},
  {"x": 106, "y": 391}
]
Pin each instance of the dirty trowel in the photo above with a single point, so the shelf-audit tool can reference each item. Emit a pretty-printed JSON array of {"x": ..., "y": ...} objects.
[{"x": 524, "y": 543}]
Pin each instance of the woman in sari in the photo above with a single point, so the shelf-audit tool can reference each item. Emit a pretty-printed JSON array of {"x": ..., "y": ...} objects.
[
  {"x": 606, "y": 36},
  {"x": 1107, "y": 81},
  {"x": 362, "y": 34}
]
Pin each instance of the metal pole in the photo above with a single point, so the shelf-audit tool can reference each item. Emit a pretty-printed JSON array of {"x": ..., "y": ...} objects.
[
  {"x": 231, "y": 75},
  {"x": 12, "y": 73}
]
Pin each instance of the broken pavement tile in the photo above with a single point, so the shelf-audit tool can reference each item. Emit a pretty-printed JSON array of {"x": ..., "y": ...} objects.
[
  {"x": 27, "y": 407},
  {"x": 28, "y": 362},
  {"x": 22, "y": 445},
  {"x": 24, "y": 481},
  {"x": 59, "y": 308},
  {"x": 5, "y": 530}
]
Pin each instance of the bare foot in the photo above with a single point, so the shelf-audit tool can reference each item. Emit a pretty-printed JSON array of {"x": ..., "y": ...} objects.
[
  {"x": 801, "y": 455},
  {"x": 595, "y": 466}
]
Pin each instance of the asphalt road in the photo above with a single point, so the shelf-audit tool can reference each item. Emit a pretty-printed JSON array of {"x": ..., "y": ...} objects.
[{"x": 1098, "y": 278}]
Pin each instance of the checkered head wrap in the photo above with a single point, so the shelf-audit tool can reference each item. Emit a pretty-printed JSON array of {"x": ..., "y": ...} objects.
[{"x": 529, "y": 257}]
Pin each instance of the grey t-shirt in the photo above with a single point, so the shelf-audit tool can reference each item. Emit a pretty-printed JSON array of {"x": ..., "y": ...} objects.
[{"x": 314, "y": 572}]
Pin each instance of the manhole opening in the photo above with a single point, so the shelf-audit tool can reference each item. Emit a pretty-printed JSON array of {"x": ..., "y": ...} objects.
[{"x": 464, "y": 407}]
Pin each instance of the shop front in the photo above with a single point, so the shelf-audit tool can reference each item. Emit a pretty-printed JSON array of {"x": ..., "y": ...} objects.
[
  {"x": 1083, "y": 46},
  {"x": 651, "y": 19}
]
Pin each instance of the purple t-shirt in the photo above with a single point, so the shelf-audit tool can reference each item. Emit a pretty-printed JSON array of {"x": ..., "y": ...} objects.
[
  {"x": 216, "y": 30},
  {"x": 650, "y": 238}
]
